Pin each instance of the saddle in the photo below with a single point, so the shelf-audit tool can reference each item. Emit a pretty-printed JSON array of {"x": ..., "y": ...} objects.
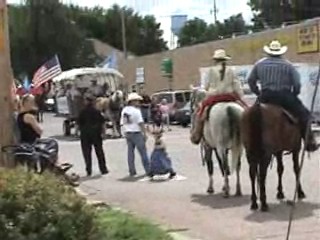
[
  {"x": 286, "y": 113},
  {"x": 206, "y": 111}
]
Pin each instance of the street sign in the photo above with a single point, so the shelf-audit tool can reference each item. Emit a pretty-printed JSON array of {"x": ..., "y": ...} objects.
[
  {"x": 140, "y": 75},
  {"x": 167, "y": 67}
]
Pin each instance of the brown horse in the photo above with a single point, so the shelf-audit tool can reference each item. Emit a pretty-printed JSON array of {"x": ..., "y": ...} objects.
[
  {"x": 268, "y": 131},
  {"x": 111, "y": 107}
]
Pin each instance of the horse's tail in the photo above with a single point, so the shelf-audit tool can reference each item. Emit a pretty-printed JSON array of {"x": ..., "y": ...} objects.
[{"x": 234, "y": 117}]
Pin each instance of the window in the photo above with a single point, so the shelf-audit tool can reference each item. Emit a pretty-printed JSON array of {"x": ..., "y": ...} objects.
[
  {"x": 187, "y": 96},
  {"x": 167, "y": 96},
  {"x": 179, "y": 97}
]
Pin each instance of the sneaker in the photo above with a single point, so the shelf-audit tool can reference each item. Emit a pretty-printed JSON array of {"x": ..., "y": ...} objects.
[{"x": 172, "y": 175}]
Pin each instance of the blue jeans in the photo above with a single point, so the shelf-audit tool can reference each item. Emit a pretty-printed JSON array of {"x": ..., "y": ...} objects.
[{"x": 137, "y": 140}]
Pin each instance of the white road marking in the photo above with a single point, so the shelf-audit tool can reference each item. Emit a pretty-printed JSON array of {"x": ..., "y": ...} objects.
[{"x": 164, "y": 178}]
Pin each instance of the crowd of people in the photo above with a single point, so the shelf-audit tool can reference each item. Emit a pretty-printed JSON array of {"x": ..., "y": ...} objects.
[
  {"x": 135, "y": 116},
  {"x": 134, "y": 120}
]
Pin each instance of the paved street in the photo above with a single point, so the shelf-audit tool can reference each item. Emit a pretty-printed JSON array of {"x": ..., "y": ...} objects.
[{"x": 183, "y": 205}]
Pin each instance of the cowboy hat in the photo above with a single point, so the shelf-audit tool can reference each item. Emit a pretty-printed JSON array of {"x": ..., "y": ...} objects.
[
  {"x": 220, "y": 54},
  {"x": 275, "y": 48},
  {"x": 134, "y": 97}
]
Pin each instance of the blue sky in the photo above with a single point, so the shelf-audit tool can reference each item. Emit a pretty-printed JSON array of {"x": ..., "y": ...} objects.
[{"x": 162, "y": 9}]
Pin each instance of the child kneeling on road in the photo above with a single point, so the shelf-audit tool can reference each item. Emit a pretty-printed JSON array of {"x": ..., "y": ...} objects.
[{"x": 160, "y": 161}]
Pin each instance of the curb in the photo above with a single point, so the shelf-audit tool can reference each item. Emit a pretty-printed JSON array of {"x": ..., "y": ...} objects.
[{"x": 175, "y": 236}]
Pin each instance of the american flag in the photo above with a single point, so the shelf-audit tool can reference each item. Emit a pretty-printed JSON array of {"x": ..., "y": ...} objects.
[{"x": 47, "y": 71}]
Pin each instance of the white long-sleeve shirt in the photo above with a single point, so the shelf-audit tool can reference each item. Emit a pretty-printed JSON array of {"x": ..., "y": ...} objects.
[{"x": 230, "y": 83}]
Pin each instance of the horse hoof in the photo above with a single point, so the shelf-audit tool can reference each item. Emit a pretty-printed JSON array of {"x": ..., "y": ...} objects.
[
  {"x": 238, "y": 194},
  {"x": 264, "y": 208},
  {"x": 280, "y": 196},
  {"x": 210, "y": 191},
  {"x": 226, "y": 195},
  {"x": 254, "y": 206},
  {"x": 301, "y": 195}
]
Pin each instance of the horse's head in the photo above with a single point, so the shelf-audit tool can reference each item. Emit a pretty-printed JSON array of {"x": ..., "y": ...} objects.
[
  {"x": 117, "y": 96},
  {"x": 198, "y": 94}
]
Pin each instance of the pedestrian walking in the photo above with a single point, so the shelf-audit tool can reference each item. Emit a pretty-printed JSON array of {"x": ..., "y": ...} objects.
[
  {"x": 91, "y": 122},
  {"x": 145, "y": 106},
  {"x": 135, "y": 132},
  {"x": 165, "y": 111}
]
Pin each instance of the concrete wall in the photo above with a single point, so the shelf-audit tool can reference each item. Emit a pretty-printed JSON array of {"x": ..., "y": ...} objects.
[{"x": 187, "y": 61}]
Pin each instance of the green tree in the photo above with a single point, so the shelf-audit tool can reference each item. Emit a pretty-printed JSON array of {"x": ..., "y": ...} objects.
[
  {"x": 275, "y": 12},
  {"x": 144, "y": 35},
  {"x": 40, "y": 29},
  {"x": 198, "y": 31},
  {"x": 194, "y": 32}
]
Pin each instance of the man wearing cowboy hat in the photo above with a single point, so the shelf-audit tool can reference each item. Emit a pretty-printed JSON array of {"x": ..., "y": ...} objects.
[
  {"x": 133, "y": 126},
  {"x": 280, "y": 85},
  {"x": 222, "y": 85}
]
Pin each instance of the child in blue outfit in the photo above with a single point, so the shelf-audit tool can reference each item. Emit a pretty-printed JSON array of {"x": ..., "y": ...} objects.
[{"x": 160, "y": 161}]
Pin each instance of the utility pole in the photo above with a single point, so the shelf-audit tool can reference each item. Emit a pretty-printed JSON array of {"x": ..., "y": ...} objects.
[
  {"x": 215, "y": 11},
  {"x": 124, "y": 38},
  {"x": 6, "y": 83}
]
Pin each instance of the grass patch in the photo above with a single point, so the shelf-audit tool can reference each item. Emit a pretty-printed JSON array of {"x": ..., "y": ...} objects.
[{"x": 118, "y": 225}]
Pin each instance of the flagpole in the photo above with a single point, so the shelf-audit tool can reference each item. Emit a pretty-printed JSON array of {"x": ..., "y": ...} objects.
[{"x": 124, "y": 38}]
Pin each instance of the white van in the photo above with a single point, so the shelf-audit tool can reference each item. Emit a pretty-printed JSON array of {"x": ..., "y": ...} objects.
[{"x": 176, "y": 99}]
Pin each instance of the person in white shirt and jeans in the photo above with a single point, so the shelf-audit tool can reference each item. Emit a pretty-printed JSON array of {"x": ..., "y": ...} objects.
[{"x": 134, "y": 129}]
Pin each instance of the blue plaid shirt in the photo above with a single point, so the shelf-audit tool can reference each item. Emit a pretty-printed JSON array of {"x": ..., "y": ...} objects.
[{"x": 274, "y": 74}]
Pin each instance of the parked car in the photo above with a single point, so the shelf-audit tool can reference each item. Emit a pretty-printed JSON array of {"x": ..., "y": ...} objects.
[
  {"x": 176, "y": 100},
  {"x": 183, "y": 115},
  {"x": 50, "y": 105}
]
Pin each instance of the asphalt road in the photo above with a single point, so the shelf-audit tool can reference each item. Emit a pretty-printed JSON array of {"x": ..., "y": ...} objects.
[{"x": 183, "y": 206}]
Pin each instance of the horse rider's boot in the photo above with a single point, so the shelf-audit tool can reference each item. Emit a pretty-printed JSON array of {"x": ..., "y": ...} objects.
[
  {"x": 197, "y": 131},
  {"x": 310, "y": 142}
]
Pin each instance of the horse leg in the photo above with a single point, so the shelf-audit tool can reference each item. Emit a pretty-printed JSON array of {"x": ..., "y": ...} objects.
[
  {"x": 238, "y": 186},
  {"x": 253, "y": 176},
  {"x": 226, "y": 187},
  {"x": 280, "y": 168},
  {"x": 210, "y": 167},
  {"x": 296, "y": 167},
  {"x": 263, "y": 167}
]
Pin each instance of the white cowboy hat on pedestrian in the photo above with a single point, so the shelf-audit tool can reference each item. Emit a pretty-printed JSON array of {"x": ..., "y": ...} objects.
[
  {"x": 134, "y": 97},
  {"x": 220, "y": 54},
  {"x": 275, "y": 48}
]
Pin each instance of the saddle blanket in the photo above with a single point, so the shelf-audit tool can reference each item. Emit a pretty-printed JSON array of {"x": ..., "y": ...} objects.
[{"x": 213, "y": 100}]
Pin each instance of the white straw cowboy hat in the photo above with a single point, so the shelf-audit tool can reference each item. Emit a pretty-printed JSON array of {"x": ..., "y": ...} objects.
[
  {"x": 134, "y": 97},
  {"x": 275, "y": 48},
  {"x": 220, "y": 54}
]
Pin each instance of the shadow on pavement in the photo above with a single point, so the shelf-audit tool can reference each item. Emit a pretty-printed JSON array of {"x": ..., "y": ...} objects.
[
  {"x": 280, "y": 212},
  {"x": 132, "y": 179},
  {"x": 86, "y": 178},
  {"x": 217, "y": 201},
  {"x": 74, "y": 138},
  {"x": 63, "y": 138}
]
